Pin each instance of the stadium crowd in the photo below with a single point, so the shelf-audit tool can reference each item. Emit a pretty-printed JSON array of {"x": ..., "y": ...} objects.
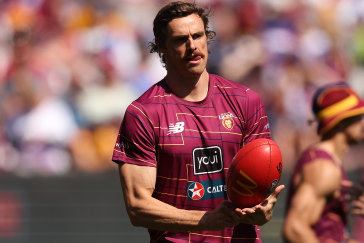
[{"x": 69, "y": 69}]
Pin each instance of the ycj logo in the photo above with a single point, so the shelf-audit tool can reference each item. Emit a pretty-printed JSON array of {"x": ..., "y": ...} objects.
[{"x": 207, "y": 160}]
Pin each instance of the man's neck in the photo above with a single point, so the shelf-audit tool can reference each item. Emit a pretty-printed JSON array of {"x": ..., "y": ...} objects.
[
  {"x": 336, "y": 146},
  {"x": 194, "y": 88}
]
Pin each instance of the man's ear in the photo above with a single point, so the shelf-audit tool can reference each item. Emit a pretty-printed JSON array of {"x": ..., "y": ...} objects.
[{"x": 161, "y": 47}]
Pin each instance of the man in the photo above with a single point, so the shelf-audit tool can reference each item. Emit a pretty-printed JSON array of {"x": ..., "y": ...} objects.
[
  {"x": 174, "y": 147},
  {"x": 318, "y": 198}
]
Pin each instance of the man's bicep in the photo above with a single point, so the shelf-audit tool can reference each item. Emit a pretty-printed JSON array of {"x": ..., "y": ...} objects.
[
  {"x": 324, "y": 177},
  {"x": 306, "y": 198},
  {"x": 137, "y": 181},
  {"x": 320, "y": 179},
  {"x": 306, "y": 205},
  {"x": 305, "y": 208}
]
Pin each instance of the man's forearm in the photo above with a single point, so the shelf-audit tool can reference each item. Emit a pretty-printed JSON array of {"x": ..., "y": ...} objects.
[{"x": 154, "y": 214}]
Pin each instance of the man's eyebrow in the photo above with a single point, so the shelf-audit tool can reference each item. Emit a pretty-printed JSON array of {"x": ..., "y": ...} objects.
[
  {"x": 179, "y": 36},
  {"x": 199, "y": 33},
  {"x": 183, "y": 35}
]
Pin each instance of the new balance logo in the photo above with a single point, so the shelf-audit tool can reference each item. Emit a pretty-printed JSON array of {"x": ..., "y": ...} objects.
[
  {"x": 266, "y": 127},
  {"x": 178, "y": 127}
]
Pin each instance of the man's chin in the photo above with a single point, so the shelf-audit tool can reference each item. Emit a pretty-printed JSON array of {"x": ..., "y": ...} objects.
[{"x": 195, "y": 70}]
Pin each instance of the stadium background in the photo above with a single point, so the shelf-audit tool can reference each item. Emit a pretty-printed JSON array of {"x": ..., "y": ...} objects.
[{"x": 69, "y": 68}]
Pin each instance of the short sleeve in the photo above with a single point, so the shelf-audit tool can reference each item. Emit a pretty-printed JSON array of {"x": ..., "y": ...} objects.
[
  {"x": 256, "y": 123},
  {"x": 135, "y": 142}
]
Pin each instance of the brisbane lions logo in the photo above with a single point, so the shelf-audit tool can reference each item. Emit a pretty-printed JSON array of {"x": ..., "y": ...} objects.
[
  {"x": 228, "y": 123},
  {"x": 227, "y": 120}
]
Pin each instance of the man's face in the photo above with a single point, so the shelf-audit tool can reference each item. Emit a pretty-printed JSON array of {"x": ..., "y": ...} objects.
[
  {"x": 186, "y": 46},
  {"x": 355, "y": 132}
]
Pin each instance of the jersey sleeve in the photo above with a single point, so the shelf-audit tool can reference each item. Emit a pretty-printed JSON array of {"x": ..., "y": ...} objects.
[
  {"x": 256, "y": 122},
  {"x": 135, "y": 142}
]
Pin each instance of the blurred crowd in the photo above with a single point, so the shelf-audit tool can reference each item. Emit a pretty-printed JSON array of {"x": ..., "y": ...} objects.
[{"x": 69, "y": 69}]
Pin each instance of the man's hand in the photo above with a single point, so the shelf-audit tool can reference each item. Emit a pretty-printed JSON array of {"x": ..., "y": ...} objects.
[
  {"x": 221, "y": 217},
  {"x": 227, "y": 215},
  {"x": 358, "y": 206},
  {"x": 261, "y": 213},
  {"x": 356, "y": 197}
]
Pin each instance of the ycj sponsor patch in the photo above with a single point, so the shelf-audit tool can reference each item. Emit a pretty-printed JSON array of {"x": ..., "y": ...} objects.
[{"x": 207, "y": 160}]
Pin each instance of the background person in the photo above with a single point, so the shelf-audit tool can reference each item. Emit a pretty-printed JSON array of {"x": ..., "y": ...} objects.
[{"x": 318, "y": 195}]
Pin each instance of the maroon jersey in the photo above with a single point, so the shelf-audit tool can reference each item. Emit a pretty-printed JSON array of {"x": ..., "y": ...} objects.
[
  {"x": 332, "y": 222},
  {"x": 192, "y": 145}
]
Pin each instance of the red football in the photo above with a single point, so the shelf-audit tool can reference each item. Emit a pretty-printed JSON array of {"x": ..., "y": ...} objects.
[{"x": 254, "y": 173}]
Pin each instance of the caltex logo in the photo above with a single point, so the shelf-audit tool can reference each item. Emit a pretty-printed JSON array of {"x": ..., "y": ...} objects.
[
  {"x": 205, "y": 190},
  {"x": 196, "y": 191}
]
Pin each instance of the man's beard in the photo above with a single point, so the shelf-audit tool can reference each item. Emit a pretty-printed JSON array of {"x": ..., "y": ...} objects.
[{"x": 354, "y": 141}]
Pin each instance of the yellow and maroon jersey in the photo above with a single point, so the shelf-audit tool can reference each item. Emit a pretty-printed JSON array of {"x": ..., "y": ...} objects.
[{"x": 192, "y": 145}]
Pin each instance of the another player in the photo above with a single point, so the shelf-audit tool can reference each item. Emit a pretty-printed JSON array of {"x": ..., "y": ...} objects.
[
  {"x": 178, "y": 139},
  {"x": 318, "y": 195}
]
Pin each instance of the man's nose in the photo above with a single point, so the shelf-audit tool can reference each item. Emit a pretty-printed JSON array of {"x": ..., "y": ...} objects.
[{"x": 191, "y": 43}]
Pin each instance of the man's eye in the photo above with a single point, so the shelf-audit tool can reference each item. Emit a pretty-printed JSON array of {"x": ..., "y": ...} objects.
[
  {"x": 181, "y": 40},
  {"x": 197, "y": 36}
]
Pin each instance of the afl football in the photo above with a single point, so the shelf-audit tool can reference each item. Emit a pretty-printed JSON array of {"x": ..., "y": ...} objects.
[{"x": 254, "y": 173}]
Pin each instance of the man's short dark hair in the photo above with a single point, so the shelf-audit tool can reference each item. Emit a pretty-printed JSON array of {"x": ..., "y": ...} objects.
[{"x": 172, "y": 11}]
